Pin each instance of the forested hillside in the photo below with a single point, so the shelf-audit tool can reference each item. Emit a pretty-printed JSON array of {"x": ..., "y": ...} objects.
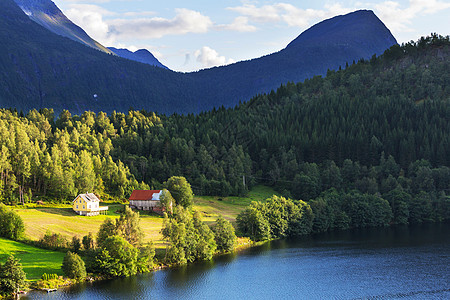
[
  {"x": 40, "y": 69},
  {"x": 378, "y": 127}
]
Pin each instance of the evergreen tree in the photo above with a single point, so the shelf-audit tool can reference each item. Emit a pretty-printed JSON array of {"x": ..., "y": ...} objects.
[{"x": 12, "y": 277}]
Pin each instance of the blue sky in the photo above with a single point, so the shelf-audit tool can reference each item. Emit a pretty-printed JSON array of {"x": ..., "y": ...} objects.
[{"x": 196, "y": 34}]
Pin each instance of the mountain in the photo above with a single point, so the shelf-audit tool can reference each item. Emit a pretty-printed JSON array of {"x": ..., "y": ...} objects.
[
  {"x": 327, "y": 45},
  {"x": 48, "y": 15},
  {"x": 41, "y": 69},
  {"x": 141, "y": 55}
]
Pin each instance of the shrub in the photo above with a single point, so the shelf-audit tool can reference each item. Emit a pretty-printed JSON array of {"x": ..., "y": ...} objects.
[
  {"x": 12, "y": 277},
  {"x": 46, "y": 276},
  {"x": 88, "y": 241},
  {"x": 73, "y": 266},
  {"x": 76, "y": 244},
  {"x": 11, "y": 225},
  {"x": 53, "y": 241},
  {"x": 116, "y": 258},
  {"x": 224, "y": 235}
]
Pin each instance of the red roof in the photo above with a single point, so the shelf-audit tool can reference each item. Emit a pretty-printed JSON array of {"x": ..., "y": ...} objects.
[{"x": 143, "y": 194}]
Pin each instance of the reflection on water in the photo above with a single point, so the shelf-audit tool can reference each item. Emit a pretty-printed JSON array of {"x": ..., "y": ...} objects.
[{"x": 387, "y": 263}]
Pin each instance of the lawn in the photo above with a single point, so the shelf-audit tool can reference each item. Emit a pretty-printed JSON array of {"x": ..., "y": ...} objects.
[
  {"x": 61, "y": 219},
  {"x": 229, "y": 207},
  {"x": 35, "y": 261},
  {"x": 64, "y": 221}
]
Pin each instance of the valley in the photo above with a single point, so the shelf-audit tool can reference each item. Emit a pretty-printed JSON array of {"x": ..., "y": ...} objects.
[{"x": 342, "y": 134}]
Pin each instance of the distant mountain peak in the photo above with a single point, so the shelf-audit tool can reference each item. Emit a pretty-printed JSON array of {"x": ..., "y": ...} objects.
[
  {"x": 41, "y": 69},
  {"x": 48, "y": 15},
  {"x": 141, "y": 55},
  {"x": 358, "y": 25}
]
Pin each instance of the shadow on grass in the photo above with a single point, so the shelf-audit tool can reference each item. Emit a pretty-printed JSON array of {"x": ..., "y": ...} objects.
[
  {"x": 69, "y": 212},
  {"x": 66, "y": 212}
]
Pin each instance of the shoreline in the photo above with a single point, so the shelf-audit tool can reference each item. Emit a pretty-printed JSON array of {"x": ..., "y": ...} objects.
[
  {"x": 70, "y": 282},
  {"x": 237, "y": 250}
]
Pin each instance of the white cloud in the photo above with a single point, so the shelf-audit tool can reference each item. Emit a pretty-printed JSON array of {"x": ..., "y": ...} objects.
[
  {"x": 139, "y": 14},
  {"x": 90, "y": 18},
  {"x": 400, "y": 19},
  {"x": 107, "y": 31},
  {"x": 288, "y": 13},
  {"x": 210, "y": 58},
  {"x": 239, "y": 24},
  {"x": 185, "y": 21},
  {"x": 263, "y": 14}
]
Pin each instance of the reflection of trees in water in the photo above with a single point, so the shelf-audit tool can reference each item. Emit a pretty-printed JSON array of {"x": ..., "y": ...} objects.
[
  {"x": 188, "y": 275},
  {"x": 121, "y": 288}
]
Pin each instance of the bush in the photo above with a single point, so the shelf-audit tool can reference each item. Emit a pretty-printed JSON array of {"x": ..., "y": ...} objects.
[
  {"x": 11, "y": 225},
  {"x": 76, "y": 244},
  {"x": 224, "y": 235},
  {"x": 73, "y": 266},
  {"x": 88, "y": 242},
  {"x": 53, "y": 241},
  {"x": 116, "y": 258},
  {"x": 145, "y": 258},
  {"x": 12, "y": 277},
  {"x": 46, "y": 276}
]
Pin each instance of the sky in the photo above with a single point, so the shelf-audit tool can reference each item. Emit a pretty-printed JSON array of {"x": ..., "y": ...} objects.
[{"x": 191, "y": 35}]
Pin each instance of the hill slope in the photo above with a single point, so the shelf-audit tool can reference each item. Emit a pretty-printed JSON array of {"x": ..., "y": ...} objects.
[
  {"x": 378, "y": 126},
  {"x": 47, "y": 14},
  {"x": 327, "y": 45},
  {"x": 40, "y": 69}
]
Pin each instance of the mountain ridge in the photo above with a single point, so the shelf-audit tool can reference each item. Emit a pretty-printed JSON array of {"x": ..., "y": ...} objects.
[
  {"x": 40, "y": 69},
  {"x": 142, "y": 55},
  {"x": 48, "y": 15}
]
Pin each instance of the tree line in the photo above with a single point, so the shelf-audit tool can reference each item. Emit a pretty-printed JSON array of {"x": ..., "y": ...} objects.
[{"x": 334, "y": 132}]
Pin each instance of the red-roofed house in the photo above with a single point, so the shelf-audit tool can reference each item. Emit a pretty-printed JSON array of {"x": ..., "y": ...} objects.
[{"x": 146, "y": 200}]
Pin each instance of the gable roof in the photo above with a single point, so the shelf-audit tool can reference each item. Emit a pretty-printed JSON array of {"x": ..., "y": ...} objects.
[
  {"x": 145, "y": 195},
  {"x": 89, "y": 197}
]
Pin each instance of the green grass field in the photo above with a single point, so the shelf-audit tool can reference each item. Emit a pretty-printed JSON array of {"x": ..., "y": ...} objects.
[
  {"x": 35, "y": 261},
  {"x": 61, "y": 219},
  {"x": 229, "y": 207},
  {"x": 65, "y": 221}
]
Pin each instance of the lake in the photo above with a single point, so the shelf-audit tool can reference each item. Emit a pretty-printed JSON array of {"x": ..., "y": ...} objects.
[{"x": 383, "y": 263}]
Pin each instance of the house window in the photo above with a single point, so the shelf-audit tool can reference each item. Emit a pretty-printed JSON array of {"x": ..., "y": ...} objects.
[
  {"x": 77, "y": 206},
  {"x": 83, "y": 206}
]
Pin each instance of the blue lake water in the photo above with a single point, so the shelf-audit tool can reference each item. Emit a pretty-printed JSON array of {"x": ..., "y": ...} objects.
[{"x": 386, "y": 263}]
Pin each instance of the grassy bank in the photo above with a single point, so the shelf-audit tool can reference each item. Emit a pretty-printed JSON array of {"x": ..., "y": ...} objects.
[
  {"x": 61, "y": 219},
  {"x": 35, "y": 261},
  {"x": 229, "y": 207},
  {"x": 64, "y": 221}
]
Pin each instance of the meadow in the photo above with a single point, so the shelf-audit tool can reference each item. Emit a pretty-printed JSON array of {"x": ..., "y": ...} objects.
[
  {"x": 35, "y": 261},
  {"x": 61, "y": 219}
]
